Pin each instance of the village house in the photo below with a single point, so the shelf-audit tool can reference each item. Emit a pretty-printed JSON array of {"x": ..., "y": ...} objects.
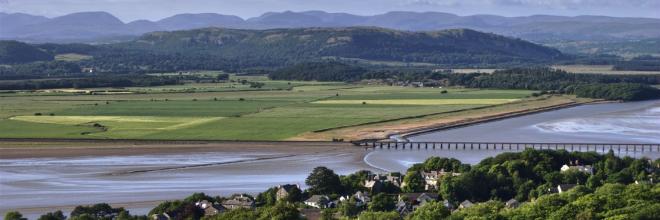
[
  {"x": 512, "y": 204},
  {"x": 409, "y": 202},
  {"x": 565, "y": 187},
  {"x": 576, "y": 167},
  {"x": 373, "y": 185},
  {"x": 318, "y": 201},
  {"x": 210, "y": 209},
  {"x": 361, "y": 198},
  {"x": 386, "y": 178},
  {"x": 375, "y": 182},
  {"x": 431, "y": 178},
  {"x": 403, "y": 208},
  {"x": 239, "y": 202},
  {"x": 465, "y": 204},
  {"x": 283, "y": 191}
]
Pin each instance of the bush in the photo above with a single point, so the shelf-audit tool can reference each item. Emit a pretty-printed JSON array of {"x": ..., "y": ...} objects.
[
  {"x": 618, "y": 91},
  {"x": 379, "y": 216}
]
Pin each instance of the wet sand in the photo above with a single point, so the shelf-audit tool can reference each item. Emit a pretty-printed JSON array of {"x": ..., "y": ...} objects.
[
  {"x": 48, "y": 177},
  {"x": 35, "y": 148}
]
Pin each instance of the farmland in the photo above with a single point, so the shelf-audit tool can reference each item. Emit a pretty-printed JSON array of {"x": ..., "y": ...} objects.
[{"x": 205, "y": 111}]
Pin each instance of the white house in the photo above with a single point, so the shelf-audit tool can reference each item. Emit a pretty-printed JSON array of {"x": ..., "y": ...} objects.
[{"x": 318, "y": 201}]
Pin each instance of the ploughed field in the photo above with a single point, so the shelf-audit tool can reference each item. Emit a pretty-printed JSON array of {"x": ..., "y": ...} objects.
[{"x": 269, "y": 113}]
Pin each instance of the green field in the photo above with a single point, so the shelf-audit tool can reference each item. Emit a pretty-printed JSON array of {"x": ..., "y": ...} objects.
[
  {"x": 419, "y": 101},
  {"x": 72, "y": 57},
  {"x": 214, "y": 114}
]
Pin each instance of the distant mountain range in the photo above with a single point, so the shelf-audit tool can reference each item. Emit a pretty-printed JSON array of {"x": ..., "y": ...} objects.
[{"x": 102, "y": 26}]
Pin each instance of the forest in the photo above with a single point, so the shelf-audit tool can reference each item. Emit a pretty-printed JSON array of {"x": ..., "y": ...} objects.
[
  {"x": 640, "y": 63},
  {"x": 89, "y": 82}
]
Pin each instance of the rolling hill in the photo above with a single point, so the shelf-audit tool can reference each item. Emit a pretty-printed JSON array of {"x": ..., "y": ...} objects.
[
  {"x": 456, "y": 46},
  {"x": 13, "y": 52},
  {"x": 239, "y": 49}
]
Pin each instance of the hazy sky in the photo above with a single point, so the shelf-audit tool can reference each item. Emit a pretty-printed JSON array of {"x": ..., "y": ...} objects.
[{"x": 129, "y": 10}]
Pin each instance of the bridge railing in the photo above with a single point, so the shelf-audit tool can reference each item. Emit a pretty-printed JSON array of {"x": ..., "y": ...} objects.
[{"x": 597, "y": 147}]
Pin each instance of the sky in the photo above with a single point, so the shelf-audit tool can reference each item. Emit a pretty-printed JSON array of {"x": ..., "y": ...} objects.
[{"x": 129, "y": 10}]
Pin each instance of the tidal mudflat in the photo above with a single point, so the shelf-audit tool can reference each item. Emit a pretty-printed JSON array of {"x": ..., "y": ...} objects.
[{"x": 138, "y": 182}]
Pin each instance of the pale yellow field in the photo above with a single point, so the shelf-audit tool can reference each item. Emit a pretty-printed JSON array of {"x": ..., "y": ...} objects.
[
  {"x": 421, "y": 101},
  {"x": 474, "y": 70},
  {"x": 72, "y": 57},
  {"x": 123, "y": 126}
]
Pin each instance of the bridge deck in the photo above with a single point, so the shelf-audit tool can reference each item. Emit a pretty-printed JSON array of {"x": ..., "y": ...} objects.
[{"x": 598, "y": 147}]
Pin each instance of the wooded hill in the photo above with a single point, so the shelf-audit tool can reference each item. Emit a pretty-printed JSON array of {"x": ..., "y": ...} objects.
[
  {"x": 279, "y": 47},
  {"x": 12, "y": 52},
  {"x": 235, "y": 50}
]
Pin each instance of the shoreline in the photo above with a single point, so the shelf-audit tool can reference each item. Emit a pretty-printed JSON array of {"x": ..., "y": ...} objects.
[
  {"x": 41, "y": 148},
  {"x": 446, "y": 120},
  {"x": 491, "y": 118}
]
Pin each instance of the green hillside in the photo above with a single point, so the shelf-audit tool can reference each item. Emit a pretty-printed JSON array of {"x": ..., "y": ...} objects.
[
  {"x": 12, "y": 52},
  {"x": 282, "y": 46}
]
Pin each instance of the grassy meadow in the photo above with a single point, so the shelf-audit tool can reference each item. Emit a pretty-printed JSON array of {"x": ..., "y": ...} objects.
[{"x": 278, "y": 111}]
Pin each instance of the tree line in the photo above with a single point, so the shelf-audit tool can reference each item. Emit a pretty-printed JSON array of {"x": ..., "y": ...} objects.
[
  {"x": 90, "y": 82},
  {"x": 640, "y": 63},
  {"x": 601, "y": 86}
]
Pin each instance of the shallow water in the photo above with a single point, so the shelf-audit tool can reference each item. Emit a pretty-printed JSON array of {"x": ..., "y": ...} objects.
[{"x": 634, "y": 122}]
